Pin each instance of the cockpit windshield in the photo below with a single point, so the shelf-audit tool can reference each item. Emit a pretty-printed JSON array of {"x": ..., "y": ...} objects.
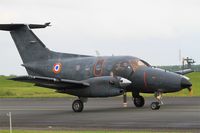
[
  {"x": 145, "y": 63},
  {"x": 128, "y": 67},
  {"x": 138, "y": 63}
]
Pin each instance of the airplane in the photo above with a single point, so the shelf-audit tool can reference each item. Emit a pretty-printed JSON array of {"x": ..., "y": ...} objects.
[{"x": 88, "y": 76}]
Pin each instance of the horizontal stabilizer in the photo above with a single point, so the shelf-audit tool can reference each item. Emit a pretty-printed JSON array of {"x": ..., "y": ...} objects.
[
  {"x": 45, "y": 81},
  {"x": 183, "y": 72},
  {"x": 11, "y": 27}
]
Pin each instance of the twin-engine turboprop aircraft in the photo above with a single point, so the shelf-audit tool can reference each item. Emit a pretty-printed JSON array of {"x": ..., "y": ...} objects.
[{"x": 87, "y": 76}]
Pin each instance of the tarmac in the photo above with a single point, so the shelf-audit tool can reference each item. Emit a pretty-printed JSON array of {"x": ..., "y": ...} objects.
[{"x": 181, "y": 113}]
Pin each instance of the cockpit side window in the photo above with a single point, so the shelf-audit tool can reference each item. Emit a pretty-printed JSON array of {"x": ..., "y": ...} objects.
[
  {"x": 122, "y": 65},
  {"x": 122, "y": 68}
]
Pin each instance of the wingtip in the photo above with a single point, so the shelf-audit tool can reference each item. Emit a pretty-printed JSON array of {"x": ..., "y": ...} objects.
[{"x": 47, "y": 24}]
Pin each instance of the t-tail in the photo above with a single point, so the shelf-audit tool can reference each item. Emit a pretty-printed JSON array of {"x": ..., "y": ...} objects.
[
  {"x": 28, "y": 44},
  {"x": 30, "y": 47}
]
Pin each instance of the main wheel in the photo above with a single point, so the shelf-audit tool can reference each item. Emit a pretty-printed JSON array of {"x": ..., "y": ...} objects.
[
  {"x": 77, "y": 106},
  {"x": 155, "y": 106},
  {"x": 139, "y": 101}
]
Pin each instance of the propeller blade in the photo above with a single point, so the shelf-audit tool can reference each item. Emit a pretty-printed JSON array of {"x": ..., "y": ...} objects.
[{"x": 125, "y": 99}]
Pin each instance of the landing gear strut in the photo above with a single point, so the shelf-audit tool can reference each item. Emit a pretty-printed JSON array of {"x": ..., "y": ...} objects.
[
  {"x": 138, "y": 100},
  {"x": 156, "y": 105},
  {"x": 78, "y": 104}
]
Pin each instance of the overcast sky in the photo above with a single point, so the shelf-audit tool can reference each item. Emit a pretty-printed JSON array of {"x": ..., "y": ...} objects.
[{"x": 153, "y": 30}]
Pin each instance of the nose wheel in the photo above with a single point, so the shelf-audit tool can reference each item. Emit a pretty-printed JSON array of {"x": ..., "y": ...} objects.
[{"x": 156, "y": 105}]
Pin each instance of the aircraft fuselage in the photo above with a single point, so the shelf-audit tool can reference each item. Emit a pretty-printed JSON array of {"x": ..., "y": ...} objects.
[{"x": 144, "y": 78}]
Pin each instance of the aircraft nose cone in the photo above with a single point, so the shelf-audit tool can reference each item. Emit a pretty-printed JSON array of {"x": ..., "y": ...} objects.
[{"x": 185, "y": 83}]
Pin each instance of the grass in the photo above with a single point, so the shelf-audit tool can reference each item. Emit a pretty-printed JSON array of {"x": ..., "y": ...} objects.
[
  {"x": 38, "y": 131},
  {"x": 9, "y": 89},
  {"x": 13, "y": 89}
]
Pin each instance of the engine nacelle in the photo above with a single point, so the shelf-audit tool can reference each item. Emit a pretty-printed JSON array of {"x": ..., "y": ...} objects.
[{"x": 106, "y": 86}]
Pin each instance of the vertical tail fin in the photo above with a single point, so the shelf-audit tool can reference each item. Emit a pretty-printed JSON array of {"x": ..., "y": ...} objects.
[
  {"x": 30, "y": 48},
  {"x": 28, "y": 44}
]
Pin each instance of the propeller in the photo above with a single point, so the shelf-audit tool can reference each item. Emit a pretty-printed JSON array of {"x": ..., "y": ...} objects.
[
  {"x": 123, "y": 82},
  {"x": 125, "y": 99}
]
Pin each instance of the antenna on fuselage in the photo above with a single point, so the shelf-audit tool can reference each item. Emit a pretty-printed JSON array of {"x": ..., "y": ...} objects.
[
  {"x": 97, "y": 53},
  {"x": 180, "y": 59}
]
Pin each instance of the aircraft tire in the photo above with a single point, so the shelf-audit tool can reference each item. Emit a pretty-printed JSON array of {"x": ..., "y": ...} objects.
[
  {"x": 139, "y": 101},
  {"x": 155, "y": 105},
  {"x": 77, "y": 106}
]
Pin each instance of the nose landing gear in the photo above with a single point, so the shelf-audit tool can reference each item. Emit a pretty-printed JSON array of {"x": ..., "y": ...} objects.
[{"x": 156, "y": 105}]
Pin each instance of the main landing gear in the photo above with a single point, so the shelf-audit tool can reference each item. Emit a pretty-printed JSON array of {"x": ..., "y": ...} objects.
[
  {"x": 78, "y": 104},
  {"x": 156, "y": 105},
  {"x": 138, "y": 100}
]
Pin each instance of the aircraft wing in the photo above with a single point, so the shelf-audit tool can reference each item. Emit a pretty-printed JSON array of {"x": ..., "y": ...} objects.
[
  {"x": 54, "y": 82},
  {"x": 183, "y": 72}
]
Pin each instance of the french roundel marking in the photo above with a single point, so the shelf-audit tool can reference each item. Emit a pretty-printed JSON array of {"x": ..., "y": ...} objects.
[{"x": 57, "y": 68}]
